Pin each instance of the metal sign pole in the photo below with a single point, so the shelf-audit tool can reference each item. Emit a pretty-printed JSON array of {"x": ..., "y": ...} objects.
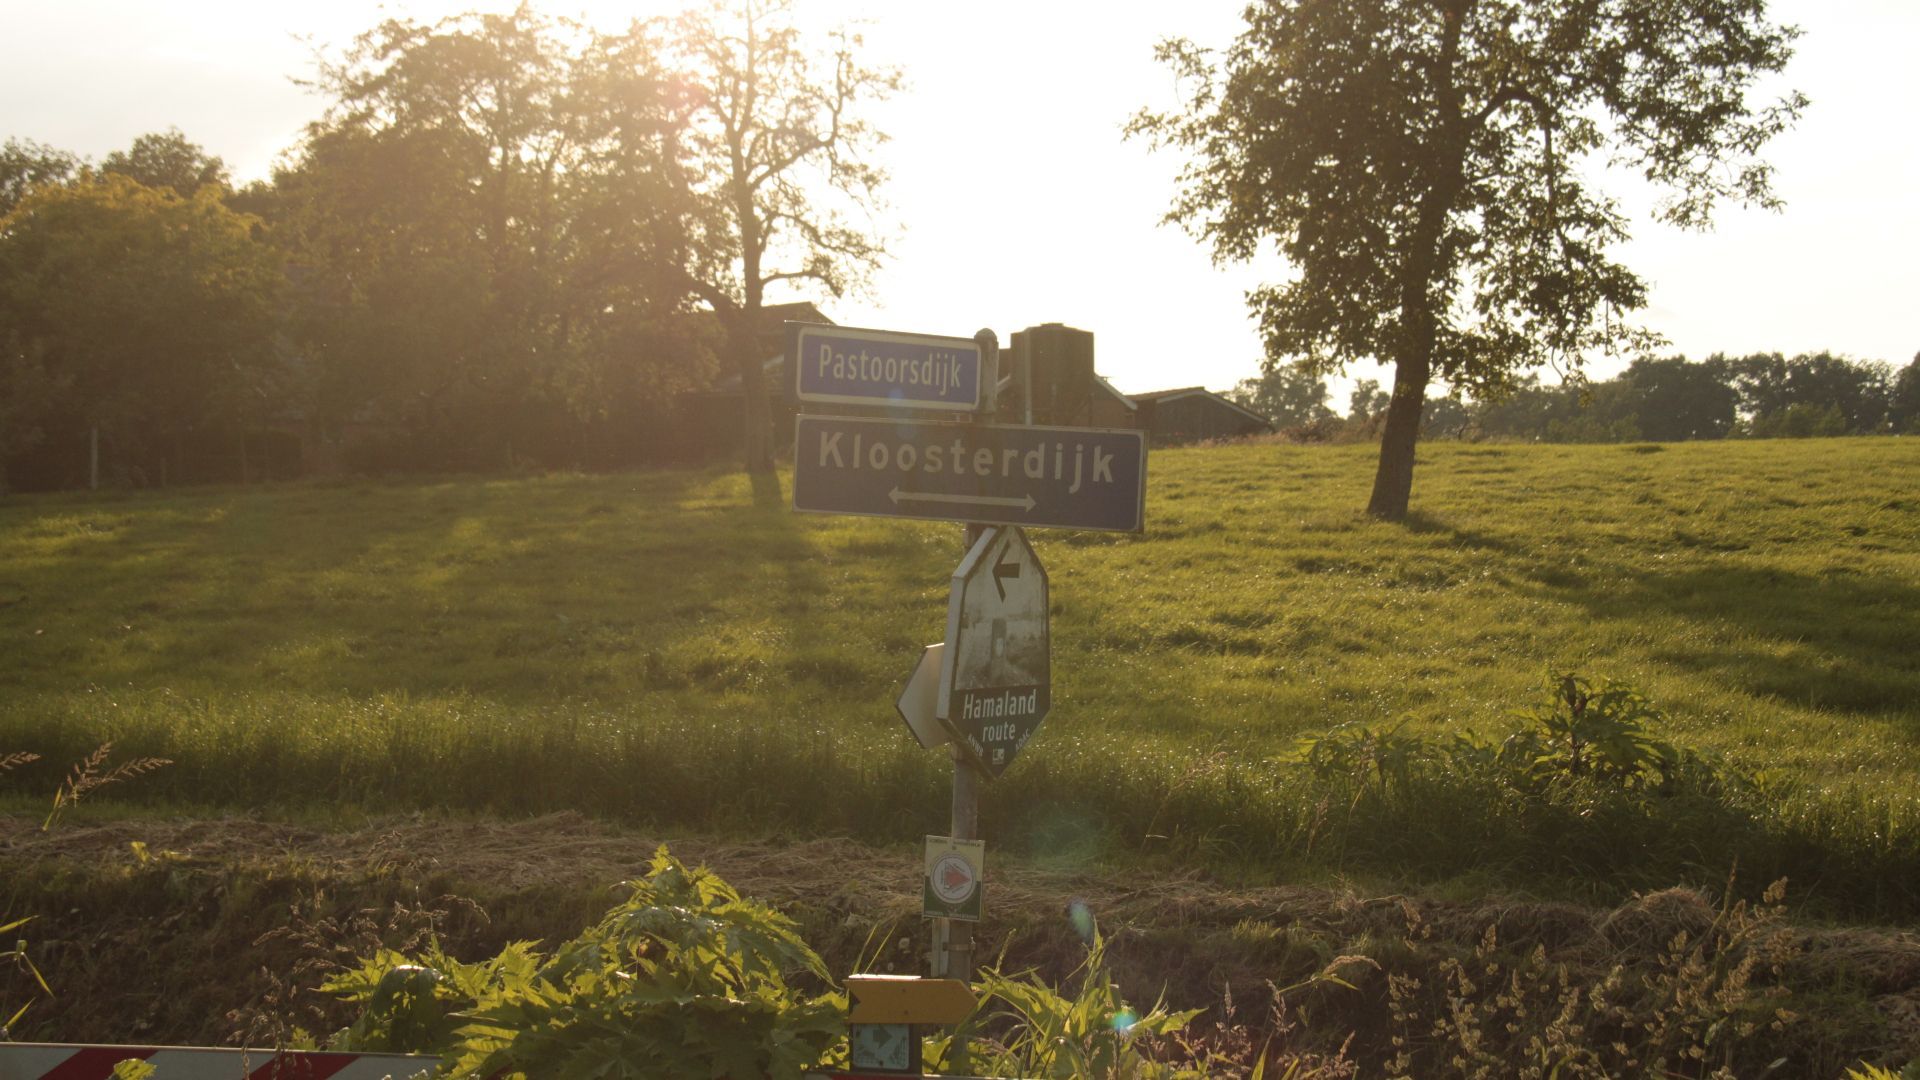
[
  {"x": 953, "y": 940},
  {"x": 966, "y": 781}
]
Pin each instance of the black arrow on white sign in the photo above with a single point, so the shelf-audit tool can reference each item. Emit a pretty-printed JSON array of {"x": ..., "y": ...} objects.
[{"x": 1003, "y": 570}]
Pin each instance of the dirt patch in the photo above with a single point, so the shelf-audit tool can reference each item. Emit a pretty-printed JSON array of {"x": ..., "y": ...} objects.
[{"x": 219, "y": 931}]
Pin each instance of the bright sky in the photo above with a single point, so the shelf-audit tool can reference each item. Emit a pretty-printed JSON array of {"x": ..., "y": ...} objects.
[{"x": 1019, "y": 203}]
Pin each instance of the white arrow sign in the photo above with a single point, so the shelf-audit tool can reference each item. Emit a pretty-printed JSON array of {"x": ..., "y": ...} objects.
[
  {"x": 995, "y": 678},
  {"x": 921, "y": 700}
]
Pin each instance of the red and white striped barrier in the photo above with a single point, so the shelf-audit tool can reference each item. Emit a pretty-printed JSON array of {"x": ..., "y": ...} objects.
[{"x": 71, "y": 1061}]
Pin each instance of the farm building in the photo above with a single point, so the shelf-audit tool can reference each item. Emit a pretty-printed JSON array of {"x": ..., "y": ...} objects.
[
  {"x": 1110, "y": 408},
  {"x": 1193, "y": 414},
  {"x": 710, "y": 419}
]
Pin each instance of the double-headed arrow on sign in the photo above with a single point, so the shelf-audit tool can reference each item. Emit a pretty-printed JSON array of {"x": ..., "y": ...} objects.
[{"x": 896, "y": 496}]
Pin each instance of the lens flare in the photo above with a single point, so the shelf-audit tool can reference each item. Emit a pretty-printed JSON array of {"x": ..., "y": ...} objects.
[{"x": 1081, "y": 916}]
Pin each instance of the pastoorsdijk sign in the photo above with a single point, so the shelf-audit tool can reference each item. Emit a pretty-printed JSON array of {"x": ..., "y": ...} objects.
[
  {"x": 1003, "y": 474},
  {"x": 846, "y": 365}
]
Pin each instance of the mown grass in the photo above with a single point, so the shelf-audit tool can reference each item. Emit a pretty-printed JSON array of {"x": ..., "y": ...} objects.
[{"x": 677, "y": 648}]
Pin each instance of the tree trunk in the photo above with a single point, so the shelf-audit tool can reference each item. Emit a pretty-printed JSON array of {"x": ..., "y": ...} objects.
[
  {"x": 1393, "y": 480},
  {"x": 1419, "y": 313},
  {"x": 757, "y": 424}
]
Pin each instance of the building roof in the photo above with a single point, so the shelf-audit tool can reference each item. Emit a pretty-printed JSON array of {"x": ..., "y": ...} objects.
[
  {"x": 1157, "y": 396},
  {"x": 1101, "y": 382},
  {"x": 797, "y": 311},
  {"x": 773, "y": 320}
]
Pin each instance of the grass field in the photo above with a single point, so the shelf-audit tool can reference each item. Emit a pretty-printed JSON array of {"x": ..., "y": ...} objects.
[{"x": 666, "y": 648}]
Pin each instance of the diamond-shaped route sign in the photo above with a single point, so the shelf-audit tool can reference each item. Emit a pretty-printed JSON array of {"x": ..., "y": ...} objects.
[{"x": 996, "y": 672}]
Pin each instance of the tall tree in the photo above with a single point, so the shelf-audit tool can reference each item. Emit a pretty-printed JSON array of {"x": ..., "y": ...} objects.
[
  {"x": 1428, "y": 169},
  {"x": 1673, "y": 400},
  {"x": 1284, "y": 395},
  {"x": 25, "y": 165},
  {"x": 780, "y": 169},
  {"x": 30, "y": 391},
  {"x": 1811, "y": 393},
  {"x": 135, "y": 314},
  {"x": 1367, "y": 400},
  {"x": 494, "y": 231},
  {"x": 1857, "y": 390},
  {"x": 425, "y": 210},
  {"x": 1903, "y": 399},
  {"x": 167, "y": 159}
]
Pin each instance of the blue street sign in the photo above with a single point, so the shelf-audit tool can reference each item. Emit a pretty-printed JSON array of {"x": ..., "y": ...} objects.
[
  {"x": 1003, "y": 474},
  {"x": 846, "y": 365}
]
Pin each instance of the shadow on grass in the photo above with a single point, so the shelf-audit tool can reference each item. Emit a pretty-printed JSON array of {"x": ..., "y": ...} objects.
[
  {"x": 509, "y": 589},
  {"x": 1420, "y": 523},
  {"x": 766, "y": 491},
  {"x": 1851, "y": 641}
]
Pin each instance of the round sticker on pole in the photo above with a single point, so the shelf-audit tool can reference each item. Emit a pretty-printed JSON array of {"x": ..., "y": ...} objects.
[{"x": 953, "y": 878}]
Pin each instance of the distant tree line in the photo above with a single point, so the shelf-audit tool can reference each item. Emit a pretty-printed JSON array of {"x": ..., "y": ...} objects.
[
  {"x": 1672, "y": 399},
  {"x": 510, "y": 239}
]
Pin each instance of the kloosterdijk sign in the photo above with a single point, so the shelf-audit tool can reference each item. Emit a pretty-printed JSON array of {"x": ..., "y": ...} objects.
[
  {"x": 846, "y": 365},
  {"x": 1058, "y": 477}
]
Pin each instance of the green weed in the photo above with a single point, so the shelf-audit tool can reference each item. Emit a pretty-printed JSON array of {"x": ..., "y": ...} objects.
[
  {"x": 90, "y": 774},
  {"x": 685, "y": 978},
  {"x": 1582, "y": 731},
  {"x": 1877, "y": 1072},
  {"x": 21, "y": 964},
  {"x": 1024, "y": 1027}
]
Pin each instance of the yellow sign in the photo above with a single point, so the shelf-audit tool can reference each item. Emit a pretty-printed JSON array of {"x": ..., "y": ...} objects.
[{"x": 907, "y": 999}]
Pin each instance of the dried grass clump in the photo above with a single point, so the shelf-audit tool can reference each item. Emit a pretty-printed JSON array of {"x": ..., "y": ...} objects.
[
  {"x": 1704, "y": 1001},
  {"x": 1648, "y": 922},
  {"x": 1882, "y": 961}
]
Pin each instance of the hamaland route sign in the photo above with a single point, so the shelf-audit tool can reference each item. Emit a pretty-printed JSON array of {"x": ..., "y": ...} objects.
[
  {"x": 996, "y": 671},
  {"x": 1007, "y": 474},
  {"x": 847, "y": 365}
]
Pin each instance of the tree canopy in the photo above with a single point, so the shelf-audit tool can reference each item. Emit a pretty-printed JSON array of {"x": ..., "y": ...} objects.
[
  {"x": 780, "y": 171},
  {"x": 1431, "y": 170},
  {"x": 25, "y": 165},
  {"x": 131, "y": 311},
  {"x": 458, "y": 211},
  {"x": 168, "y": 160},
  {"x": 1285, "y": 395},
  {"x": 503, "y": 213},
  {"x": 509, "y": 238},
  {"x": 1668, "y": 399}
]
